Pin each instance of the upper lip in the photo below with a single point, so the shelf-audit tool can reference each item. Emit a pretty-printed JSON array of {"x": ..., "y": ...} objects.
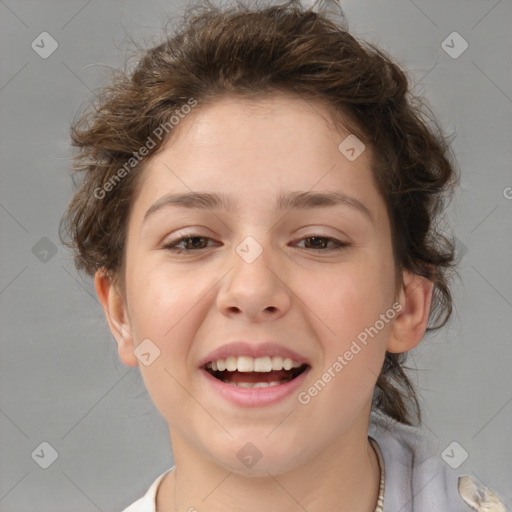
[{"x": 245, "y": 348}]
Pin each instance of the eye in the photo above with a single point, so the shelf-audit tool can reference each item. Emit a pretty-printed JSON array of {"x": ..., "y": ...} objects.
[
  {"x": 319, "y": 243},
  {"x": 196, "y": 245},
  {"x": 316, "y": 242}
]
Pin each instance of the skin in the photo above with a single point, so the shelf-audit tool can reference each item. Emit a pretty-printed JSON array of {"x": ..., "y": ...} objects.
[{"x": 316, "y": 455}]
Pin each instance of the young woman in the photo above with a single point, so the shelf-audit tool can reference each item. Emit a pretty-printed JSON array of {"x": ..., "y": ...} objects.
[{"x": 259, "y": 210}]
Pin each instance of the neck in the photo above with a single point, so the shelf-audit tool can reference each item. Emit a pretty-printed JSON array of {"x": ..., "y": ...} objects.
[{"x": 344, "y": 477}]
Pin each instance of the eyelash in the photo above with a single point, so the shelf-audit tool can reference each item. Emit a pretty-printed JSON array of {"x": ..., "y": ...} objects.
[{"x": 171, "y": 246}]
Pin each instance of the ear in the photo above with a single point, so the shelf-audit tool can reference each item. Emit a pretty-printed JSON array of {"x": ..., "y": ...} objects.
[
  {"x": 411, "y": 323},
  {"x": 115, "y": 311}
]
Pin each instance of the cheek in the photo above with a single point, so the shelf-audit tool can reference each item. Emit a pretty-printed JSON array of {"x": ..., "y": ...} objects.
[
  {"x": 348, "y": 307},
  {"x": 160, "y": 299},
  {"x": 348, "y": 299},
  {"x": 166, "y": 311},
  {"x": 169, "y": 308}
]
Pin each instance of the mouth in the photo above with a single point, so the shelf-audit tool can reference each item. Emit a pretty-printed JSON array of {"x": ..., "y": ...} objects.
[{"x": 261, "y": 372}]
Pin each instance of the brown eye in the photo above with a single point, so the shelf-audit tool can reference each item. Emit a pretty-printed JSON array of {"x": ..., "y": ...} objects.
[
  {"x": 197, "y": 243},
  {"x": 321, "y": 242}
]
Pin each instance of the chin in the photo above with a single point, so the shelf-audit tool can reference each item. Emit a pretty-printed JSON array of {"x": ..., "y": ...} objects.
[{"x": 258, "y": 459}]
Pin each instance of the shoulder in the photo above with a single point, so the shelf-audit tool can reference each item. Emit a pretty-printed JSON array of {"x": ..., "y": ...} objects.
[
  {"x": 148, "y": 502},
  {"x": 417, "y": 480}
]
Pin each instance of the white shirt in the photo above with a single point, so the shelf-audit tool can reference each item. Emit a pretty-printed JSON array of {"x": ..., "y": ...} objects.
[{"x": 413, "y": 479}]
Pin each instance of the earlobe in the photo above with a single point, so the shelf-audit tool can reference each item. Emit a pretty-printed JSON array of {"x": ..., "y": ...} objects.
[
  {"x": 116, "y": 314},
  {"x": 410, "y": 324}
]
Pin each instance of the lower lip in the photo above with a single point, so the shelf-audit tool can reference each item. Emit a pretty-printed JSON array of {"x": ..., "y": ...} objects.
[{"x": 255, "y": 397}]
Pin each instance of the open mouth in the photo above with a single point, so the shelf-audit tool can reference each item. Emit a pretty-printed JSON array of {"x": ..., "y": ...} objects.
[{"x": 245, "y": 372}]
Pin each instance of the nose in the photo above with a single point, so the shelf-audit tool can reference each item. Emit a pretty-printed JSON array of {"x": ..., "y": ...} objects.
[{"x": 254, "y": 289}]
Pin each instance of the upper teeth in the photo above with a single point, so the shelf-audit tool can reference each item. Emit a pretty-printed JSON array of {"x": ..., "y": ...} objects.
[{"x": 250, "y": 364}]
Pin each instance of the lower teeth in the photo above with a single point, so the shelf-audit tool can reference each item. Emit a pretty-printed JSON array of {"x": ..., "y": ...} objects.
[{"x": 253, "y": 384}]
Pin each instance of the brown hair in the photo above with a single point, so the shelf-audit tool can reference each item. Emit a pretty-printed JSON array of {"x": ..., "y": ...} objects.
[{"x": 250, "y": 52}]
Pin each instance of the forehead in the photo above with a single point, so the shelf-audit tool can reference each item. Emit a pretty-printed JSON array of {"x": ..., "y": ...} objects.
[
  {"x": 262, "y": 146},
  {"x": 268, "y": 113}
]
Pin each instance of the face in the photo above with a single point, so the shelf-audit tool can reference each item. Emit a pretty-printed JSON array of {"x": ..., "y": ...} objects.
[{"x": 302, "y": 281}]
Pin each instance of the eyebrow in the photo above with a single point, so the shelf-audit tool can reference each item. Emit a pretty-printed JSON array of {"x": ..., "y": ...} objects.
[{"x": 285, "y": 201}]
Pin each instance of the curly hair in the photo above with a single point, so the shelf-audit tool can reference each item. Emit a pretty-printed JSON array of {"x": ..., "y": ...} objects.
[{"x": 250, "y": 52}]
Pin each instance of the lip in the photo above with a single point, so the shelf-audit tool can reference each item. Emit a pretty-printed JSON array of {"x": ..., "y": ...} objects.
[
  {"x": 244, "y": 348},
  {"x": 255, "y": 397}
]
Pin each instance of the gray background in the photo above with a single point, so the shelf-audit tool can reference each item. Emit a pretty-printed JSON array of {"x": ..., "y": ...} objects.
[{"x": 61, "y": 380}]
